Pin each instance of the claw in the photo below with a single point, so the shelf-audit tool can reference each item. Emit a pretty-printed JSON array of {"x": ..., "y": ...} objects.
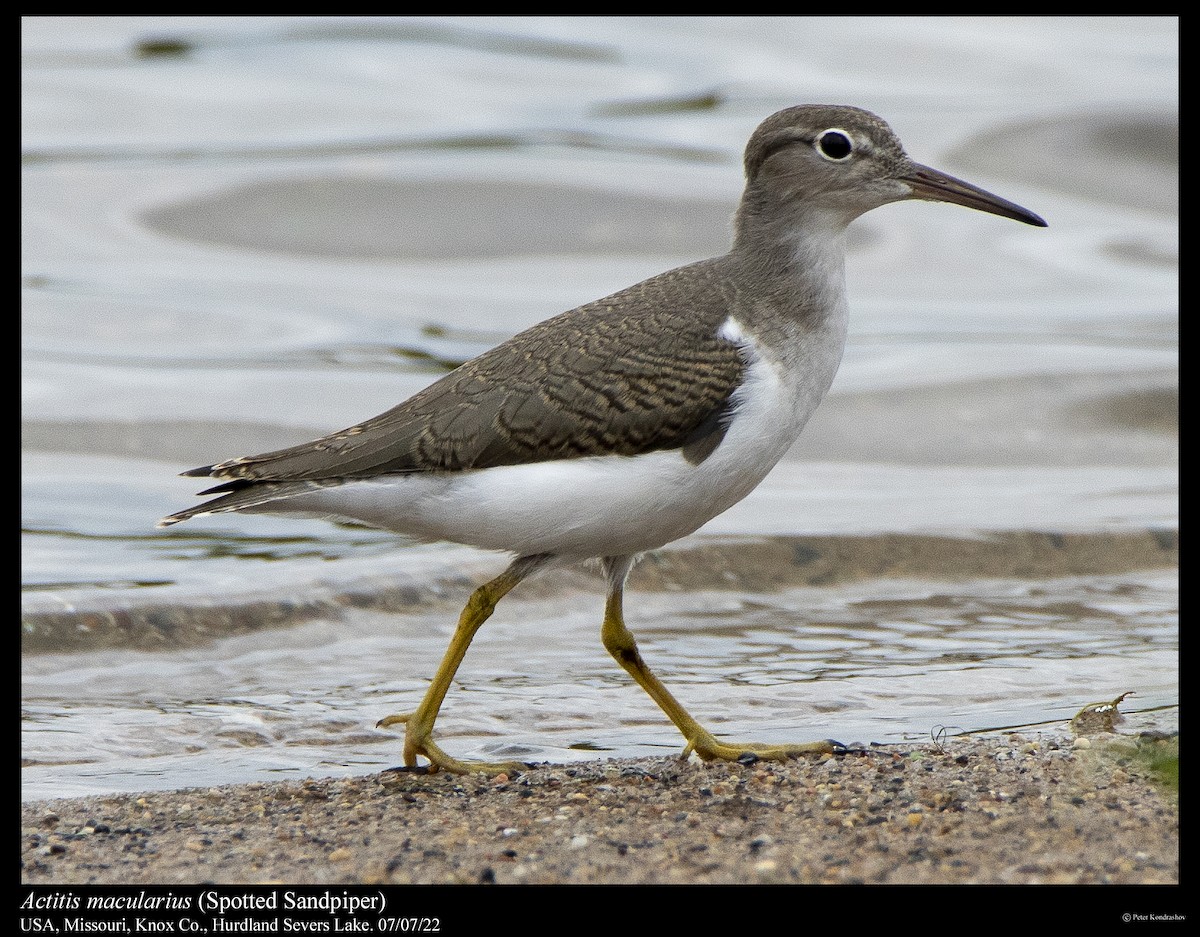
[
  {"x": 411, "y": 769},
  {"x": 418, "y": 742},
  {"x": 747, "y": 753}
]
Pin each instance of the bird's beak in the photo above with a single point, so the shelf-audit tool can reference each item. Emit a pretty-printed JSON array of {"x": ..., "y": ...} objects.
[{"x": 936, "y": 186}]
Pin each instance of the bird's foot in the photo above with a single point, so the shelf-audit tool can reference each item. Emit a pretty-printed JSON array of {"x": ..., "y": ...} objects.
[
  {"x": 709, "y": 749},
  {"x": 418, "y": 740}
]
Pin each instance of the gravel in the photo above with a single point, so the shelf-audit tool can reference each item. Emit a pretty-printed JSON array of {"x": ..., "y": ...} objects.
[{"x": 1007, "y": 809}]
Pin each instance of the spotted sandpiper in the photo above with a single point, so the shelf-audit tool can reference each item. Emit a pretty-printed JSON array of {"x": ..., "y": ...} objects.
[{"x": 628, "y": 422}]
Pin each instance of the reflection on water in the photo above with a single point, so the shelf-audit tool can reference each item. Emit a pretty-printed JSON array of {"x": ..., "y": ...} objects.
[
  {"x": 356, "y": 218},
  {"x": 877, "y": 661}
]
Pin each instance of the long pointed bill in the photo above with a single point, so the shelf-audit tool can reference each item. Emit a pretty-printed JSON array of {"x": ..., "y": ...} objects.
[{"x": 936, "y": 186}]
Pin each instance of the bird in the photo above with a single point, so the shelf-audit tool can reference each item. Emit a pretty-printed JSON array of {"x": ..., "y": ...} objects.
[{"x": 621, "y": 425}]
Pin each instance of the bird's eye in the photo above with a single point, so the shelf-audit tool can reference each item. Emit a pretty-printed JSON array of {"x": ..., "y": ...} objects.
[{"x": 835, "y": 145}]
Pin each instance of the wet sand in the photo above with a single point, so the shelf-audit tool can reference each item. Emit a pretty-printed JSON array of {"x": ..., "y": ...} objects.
[{"x": 1005, "y": 809}]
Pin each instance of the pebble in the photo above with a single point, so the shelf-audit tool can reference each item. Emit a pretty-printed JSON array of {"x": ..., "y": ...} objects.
[{"x": 659, "y": 825}]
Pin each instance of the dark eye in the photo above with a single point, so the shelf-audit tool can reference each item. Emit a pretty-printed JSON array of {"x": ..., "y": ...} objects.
[{"x": 835, "y": 145}]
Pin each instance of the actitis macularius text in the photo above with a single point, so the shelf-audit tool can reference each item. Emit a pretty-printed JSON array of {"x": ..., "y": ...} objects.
[{"x": 624, "y": 424}]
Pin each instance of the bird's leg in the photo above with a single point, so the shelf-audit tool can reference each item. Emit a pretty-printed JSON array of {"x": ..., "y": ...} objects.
[
  {"x": 621, "y": 645},
  {"x": 418, "y": 735}
]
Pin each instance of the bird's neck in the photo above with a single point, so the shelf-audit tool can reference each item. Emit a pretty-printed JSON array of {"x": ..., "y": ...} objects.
[{"x": 796, "y": 253}]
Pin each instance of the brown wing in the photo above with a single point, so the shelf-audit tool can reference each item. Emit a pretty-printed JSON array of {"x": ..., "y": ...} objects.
[{"x": 639, "y": 371}]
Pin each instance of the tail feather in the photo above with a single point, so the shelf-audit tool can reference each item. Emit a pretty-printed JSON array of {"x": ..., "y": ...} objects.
[{"x": 247, "y": 498}]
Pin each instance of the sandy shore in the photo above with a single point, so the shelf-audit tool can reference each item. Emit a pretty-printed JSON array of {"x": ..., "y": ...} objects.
[{"x": 1002, "y": 809}]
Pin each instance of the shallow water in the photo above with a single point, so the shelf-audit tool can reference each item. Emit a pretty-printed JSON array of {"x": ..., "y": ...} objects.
[
  {"x": 867, "y": 662},
  {"x": 269, "y": 228}
]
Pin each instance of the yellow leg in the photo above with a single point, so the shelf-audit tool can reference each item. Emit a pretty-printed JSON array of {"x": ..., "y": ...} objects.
[
  {"x": 621, "y": 645},
  {"x": 418, "y": 735}
]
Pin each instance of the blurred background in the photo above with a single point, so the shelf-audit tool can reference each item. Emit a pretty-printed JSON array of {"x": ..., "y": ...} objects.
[{"x": 243, "y": 232}]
